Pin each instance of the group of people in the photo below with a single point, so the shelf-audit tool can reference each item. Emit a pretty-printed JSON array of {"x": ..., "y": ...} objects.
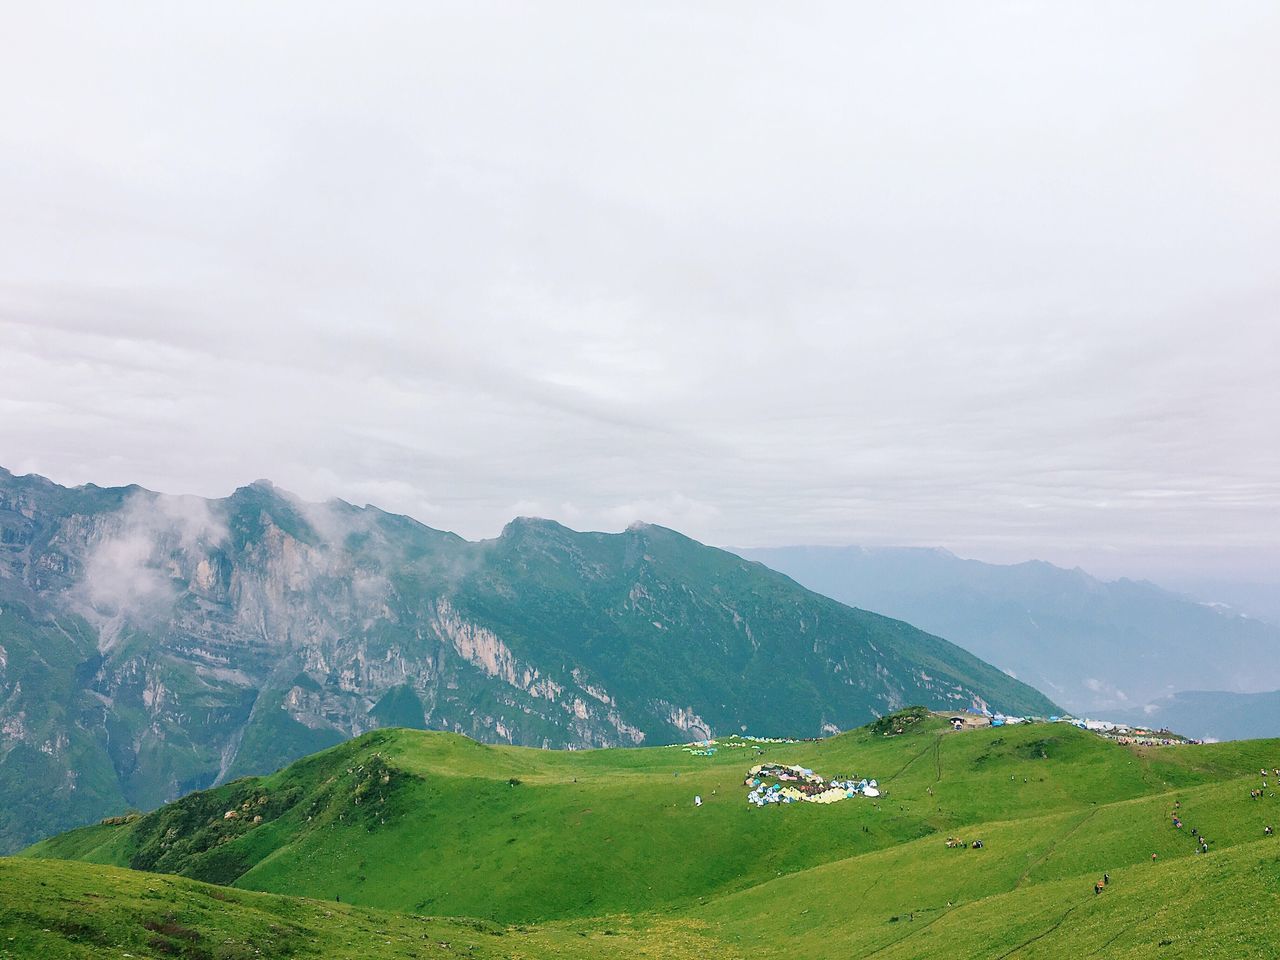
[
  {"x": 955, "y": 843},
  {"x": 1201, "y": 841},
  {"x": 1259, "y": 793}
]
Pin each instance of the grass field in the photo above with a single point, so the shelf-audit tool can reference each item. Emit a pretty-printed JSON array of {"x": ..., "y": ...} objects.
[
  {"x": 555, "y": 848},
  {"x": 55, "y": 910}
]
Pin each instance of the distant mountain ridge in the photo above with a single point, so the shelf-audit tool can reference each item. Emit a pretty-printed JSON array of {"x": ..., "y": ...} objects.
[
  {"x": 1211, "y": 714},
  {"x": 1097, "y": 647},
  {"x": 151, "y": 645}
]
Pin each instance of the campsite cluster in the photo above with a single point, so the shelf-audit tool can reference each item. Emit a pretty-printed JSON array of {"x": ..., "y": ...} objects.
[
  {"x": 1147, "y": 740},
  {"x": 781, "y": 783},
  {"x": 1119, "y": 732},
  {"x": 708, "y": 748}
]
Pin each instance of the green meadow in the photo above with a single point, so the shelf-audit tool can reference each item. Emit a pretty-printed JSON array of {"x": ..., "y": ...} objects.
[{"x": 603, "y": 853}]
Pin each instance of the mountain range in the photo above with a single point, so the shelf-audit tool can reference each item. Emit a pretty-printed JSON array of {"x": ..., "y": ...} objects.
[
  {"x": 151, "y": 645},
  {"x": 1122, "y": 650}
]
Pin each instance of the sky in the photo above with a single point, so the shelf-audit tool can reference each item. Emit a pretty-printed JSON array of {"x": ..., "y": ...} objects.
[{"x": 999, "y": 276}]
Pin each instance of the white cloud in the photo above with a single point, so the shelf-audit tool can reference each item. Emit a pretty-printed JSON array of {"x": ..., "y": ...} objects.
[
  {"x": 129, "y": 567},
  {"x": 860, "y": 276}
]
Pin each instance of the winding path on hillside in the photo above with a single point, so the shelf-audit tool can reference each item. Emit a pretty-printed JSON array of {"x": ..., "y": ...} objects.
[
  {"x": 935, "y": 747},
  {"x": 1040, "y": 936},
  {"x": 1053, "y": 845},
  {"x": 921, "y": 928},
  {"x": 1048, "y": 851}
]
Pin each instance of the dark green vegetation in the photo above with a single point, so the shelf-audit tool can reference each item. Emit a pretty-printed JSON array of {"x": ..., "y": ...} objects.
[
  {"x": 1099, "y": 648},
  {"x": 609, "y": 840},
  {"x": 154, "y": 645}
]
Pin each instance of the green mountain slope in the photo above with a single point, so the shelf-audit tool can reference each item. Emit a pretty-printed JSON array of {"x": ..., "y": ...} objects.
[
  {"x": 154, "y": 645},
  {"x": 547, "y": 844}
]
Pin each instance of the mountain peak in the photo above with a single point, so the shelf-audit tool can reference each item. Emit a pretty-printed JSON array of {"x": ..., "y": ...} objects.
[{"x": 523, "y": 525}]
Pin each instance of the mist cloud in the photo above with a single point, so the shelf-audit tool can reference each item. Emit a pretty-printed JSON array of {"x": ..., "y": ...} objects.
[{"x": 140, "y": 550}]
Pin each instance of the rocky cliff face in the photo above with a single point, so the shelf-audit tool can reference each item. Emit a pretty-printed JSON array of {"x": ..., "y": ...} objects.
[{"x": 151, "y": 645}]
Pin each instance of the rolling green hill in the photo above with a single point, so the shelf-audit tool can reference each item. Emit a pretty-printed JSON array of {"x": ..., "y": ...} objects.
[{"x": 548, "y": 844}]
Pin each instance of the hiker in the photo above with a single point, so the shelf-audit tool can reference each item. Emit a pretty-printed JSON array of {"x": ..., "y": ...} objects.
[
  {"x": 1106, "y": 879},
  {"x": 1153, "y": 858},
  {"x": 697, "y": 801},
  {"x": 1266, "y": 831},
  {"x": 1097, "y": 888}
]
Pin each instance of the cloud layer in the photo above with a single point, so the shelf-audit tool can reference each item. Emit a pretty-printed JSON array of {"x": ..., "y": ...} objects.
[{"x": 995, "y": 276}]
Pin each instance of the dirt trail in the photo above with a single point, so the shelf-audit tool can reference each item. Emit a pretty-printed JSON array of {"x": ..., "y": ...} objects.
[
  {"x": 938, "y": 761},
  {"x": 1048, "y": 852},
  {"x": 1039, "y": 936}
]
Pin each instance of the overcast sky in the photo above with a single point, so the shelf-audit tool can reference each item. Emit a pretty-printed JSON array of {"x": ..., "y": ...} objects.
[{"x": 1002, "y": 277}]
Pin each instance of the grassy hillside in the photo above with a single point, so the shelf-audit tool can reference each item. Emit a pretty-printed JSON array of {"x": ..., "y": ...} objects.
[
  {"x": 433, "y": 824},
  {"x": 55, "y": 910},
  {"x": 1212, "y": 907}
]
